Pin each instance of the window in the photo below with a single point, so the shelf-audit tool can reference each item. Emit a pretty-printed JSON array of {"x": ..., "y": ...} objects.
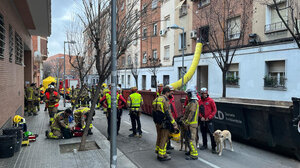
[
  {"x": 122, "y": 79},
  {"x": 135, "y": 39},
  {"x": 129, "y": 60},
  {"x": 154, "y": 4},
  {"x": 19, "y": 50},
  {"x": 123, "y": 61},
  {"x": 180, "y": 72},
  {"x": 144, "y": 82},
  {"x": 273, "y": 21},
  {"x": 144, "y": 8},
  {"x": 182, "y": 39},
  {"x": 153, "y": 81},
  {"x": 167, "y": 21},
  {"x": 183, "y": 10},
  {"x": 166, "y": 80},
  {"x": 233, "y": 28},
  {"x": 128, "y": 81},
  {"x": 145, "y": 58},
  {"x": 167, "y": 52},
  {"x": 232, "y": 76},
  {"x": 204, "y": 34},
  {"x": 2, "y": 36},
  {"x": 94, "y": 81},
  {"x": 154, "y": 54},
  {"x": 155, "y": 29},
  {"x": 203, "y": 3},
  {"x": 275, "y": 76},
  {"x": 144, "y": 33},
  {"x": 11, "y": 43}
]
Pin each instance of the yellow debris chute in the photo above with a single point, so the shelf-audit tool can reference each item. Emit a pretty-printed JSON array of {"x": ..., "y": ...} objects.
[
  {"x": 47, "y": 81},
  {"x": 192, "y": 69}
]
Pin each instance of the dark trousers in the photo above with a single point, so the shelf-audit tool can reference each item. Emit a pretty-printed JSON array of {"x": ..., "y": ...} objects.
[
  {"x": 207, "y": 127},
  {"x": 135, "y": 119},
  {"x": 119, "y": 114}
]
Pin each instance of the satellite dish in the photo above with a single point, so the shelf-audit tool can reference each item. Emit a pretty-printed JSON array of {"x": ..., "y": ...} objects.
[{"x": 37, "y": 56}]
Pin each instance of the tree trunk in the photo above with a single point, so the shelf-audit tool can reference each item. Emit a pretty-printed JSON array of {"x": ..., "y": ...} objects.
[
  {"x": 89, "y": 120},
  {"x": 136, "y": 82},
  {"x": 224, "y": 83}
]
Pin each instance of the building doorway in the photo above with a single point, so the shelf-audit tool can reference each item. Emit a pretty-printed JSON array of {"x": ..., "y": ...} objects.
[{"x": 202, "y": 77}]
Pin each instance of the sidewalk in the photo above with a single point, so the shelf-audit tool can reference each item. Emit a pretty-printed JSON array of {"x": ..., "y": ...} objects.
[{"x": 45, "y": 153}]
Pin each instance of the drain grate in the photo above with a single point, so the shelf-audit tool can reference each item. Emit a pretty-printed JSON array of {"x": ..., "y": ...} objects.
[{"x": 68, "y": 148}]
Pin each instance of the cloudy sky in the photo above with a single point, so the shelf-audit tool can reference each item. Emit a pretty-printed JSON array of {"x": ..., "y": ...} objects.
[{"x": 61, "y": 16}]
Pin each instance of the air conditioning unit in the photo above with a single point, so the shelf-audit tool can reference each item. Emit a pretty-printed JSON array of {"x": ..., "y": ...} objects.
[
  {"x": 193, "y": 34},
  {"x": 162, "y": 32}
]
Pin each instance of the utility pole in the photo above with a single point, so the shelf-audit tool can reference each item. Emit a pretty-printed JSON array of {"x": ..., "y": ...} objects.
[{"x": 113, "y": 119}]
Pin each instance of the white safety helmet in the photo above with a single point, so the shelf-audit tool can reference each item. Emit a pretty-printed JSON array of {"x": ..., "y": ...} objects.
[
  {"x": 51, "y": 87},
  {"x": 203, "y": 90},
  {"x": 192, "y": 93}
]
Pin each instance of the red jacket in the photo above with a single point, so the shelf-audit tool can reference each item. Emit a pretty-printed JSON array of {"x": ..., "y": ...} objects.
[
  {"x": 121, "y": 101},
  {"x": 48, "y": 97},
  {"x": 173, "y": 107},
  {"x": 210, "y": 108}
]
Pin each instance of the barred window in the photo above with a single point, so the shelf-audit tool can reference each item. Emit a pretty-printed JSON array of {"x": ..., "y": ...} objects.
[
  {"x": 2, "y": 36},
  {"x": 11, "y": 43},
  {"x": 18, "y": 49}
]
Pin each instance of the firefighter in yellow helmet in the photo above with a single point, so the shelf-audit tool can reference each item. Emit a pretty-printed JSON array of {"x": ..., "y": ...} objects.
[
  {"x": 81, "y": 116},
  {"x": 164, "y": 122},
  {"x": 134, "y": 103},
  {"x": 104, "y": 91},
  {"x": 60, "y": 127},
  {"x": 190, "y": 121}
]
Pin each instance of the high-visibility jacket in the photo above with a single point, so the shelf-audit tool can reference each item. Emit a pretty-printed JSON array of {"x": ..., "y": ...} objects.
[
  {"x": 135, "y": 101},
  {"x": 80, "y": 115},
  {"x": 60, "y": 121},
  {"x": 191, "y": 113},
  {"x": 161, "y": 105},
  {"x": 30, "y": 94},
  {"x": 54, "y": 96}
]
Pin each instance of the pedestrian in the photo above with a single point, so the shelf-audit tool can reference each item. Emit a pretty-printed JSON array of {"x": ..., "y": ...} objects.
[
  {"x": 60, "y": 126},
  {"x": 81, "y": 116},
  {"x": 31, "y": 98},
  {"x": 106, "y": 102},
  {"x": 52, "y": 99},
  {"x": 190, "y": 121},
  {"x": 173, "y": 111},
  {"x": 135, "y": 102},
  {"x": 164, "y": 122},
  {"x": 207, "y": 111}
]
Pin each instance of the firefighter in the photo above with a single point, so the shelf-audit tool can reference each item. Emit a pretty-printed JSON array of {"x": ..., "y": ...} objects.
[
  {"x": 134, "y": 102},
  {"x": 42, "y": 94},
  {"x": 72, "y": 96},
  {"x": 121, "y": 105},
  {"x": 84, "y": 97},
  {"x": 173, "y": 111},
  {"x": 25, "y": 100},
  {"x": 60, "y": 126},
  {"x": 37, "y": 98},
  {"x": 164, "y": 122},
  {"x": 190, "y": 121},
  {"x": 207, "y": 112},
  {"x": 106, "y": 102},
  {"x": 159, "y": 89},
  {"x": 76, "y": 95},
  {"x": 31, "y": 97},
  {"x": 52, "y": 99},
  {"x": 105, "y": 90},
  {"x": 81, "y": 116}
]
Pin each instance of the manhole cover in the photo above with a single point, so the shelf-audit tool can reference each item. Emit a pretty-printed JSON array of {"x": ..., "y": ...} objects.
[{"x": 68, "y": 148}]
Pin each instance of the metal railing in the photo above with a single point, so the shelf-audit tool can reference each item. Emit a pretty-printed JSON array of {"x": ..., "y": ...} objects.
[{"x": 274, "y": 27}]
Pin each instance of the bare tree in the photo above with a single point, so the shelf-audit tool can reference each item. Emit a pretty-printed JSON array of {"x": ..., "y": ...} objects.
[
  {"x": 47, "y": 69},
  {"x": 291, "y": 22},
  {"x": 228, "y": 24},
  {"x": 95, "y": 16},
  {"x": 134, "y": 69}
]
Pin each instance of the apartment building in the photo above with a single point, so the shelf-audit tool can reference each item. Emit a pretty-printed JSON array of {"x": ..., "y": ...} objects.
[
  {"x": 40, "y": 52},
  {"x": 18, "y": 21}
]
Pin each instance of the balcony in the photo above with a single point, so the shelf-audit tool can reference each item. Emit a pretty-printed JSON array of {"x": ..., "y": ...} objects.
[{"x": 275, "y": 27}]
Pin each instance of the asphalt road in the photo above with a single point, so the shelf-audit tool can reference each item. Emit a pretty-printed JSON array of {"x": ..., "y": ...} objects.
[{"x": 141, "y": 150}]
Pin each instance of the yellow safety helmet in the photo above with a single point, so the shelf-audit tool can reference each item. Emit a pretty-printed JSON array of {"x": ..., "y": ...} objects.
[
  {"x": 175, "y": 136},
  {"x": 17, "y": 119},
  {"x": 104, "y": 85}
]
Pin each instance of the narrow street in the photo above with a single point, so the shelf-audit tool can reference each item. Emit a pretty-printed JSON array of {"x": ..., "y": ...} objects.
[{"x": 141, "y": 150}]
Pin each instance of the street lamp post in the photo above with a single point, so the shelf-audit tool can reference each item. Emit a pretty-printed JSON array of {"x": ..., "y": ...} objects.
[
  {"x": 64, "y": 82},
  {"x": 182, "y": 69}
]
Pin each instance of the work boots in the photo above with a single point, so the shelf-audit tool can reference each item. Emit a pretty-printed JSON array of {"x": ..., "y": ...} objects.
[{"x": 165, "y": 158}]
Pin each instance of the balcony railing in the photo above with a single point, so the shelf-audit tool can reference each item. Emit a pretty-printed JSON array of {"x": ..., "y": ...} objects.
[
  {"x": 274, "y": 82},
  {"x": 183, "y": 10},
  {"x": 275, "y": 27}
]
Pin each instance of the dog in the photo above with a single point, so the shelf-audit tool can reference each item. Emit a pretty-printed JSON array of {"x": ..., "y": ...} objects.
[{"x": 220, "y": 137}]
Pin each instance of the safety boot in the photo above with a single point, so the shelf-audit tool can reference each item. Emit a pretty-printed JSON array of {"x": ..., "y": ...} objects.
[{"x": 167, "y": 157}]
